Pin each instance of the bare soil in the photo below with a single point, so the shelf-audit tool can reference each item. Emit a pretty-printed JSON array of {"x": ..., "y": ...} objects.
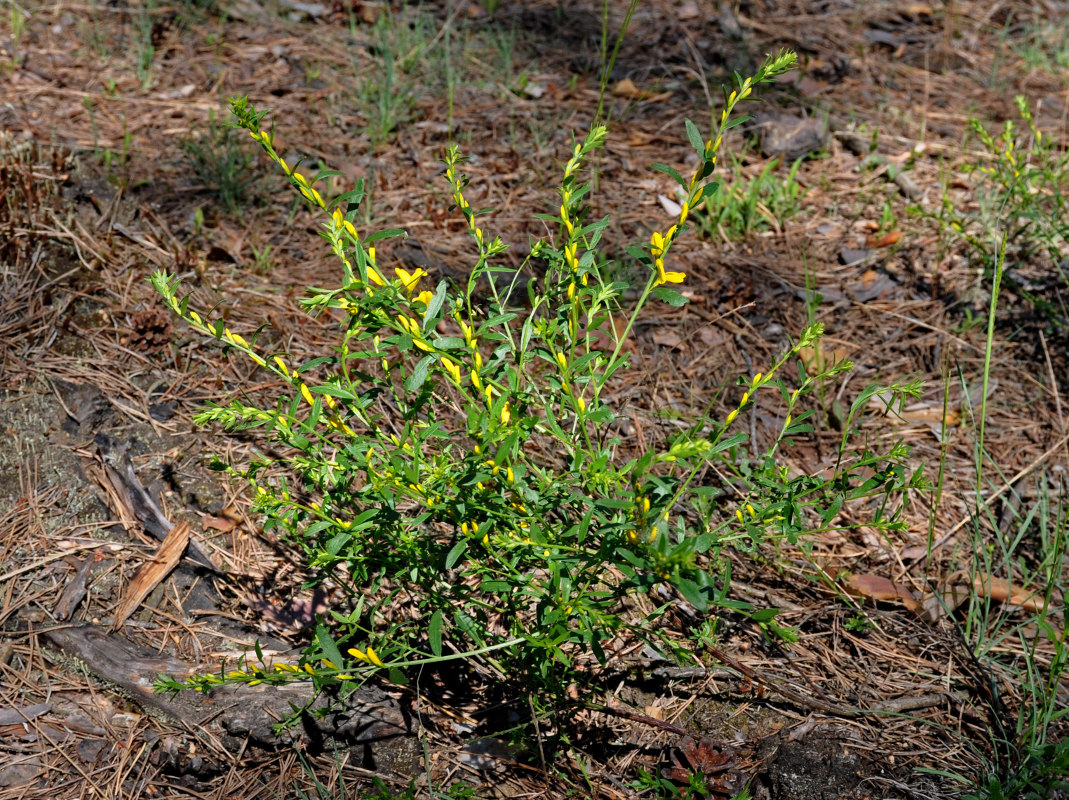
[{"x": 97, "y": 191}]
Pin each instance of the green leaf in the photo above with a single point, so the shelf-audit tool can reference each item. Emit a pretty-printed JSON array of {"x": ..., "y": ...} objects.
[
  {"x": 764, "y": 614},
  {"x": 667, "y": 170},
  {"x": 456, "y": 553},
  {"x": 326, "y": 173},
  {"x": 389, "y": 233},
  {"x": 333, "y": 391},
  {"x": 737, "y": 121},
  {"x": 354, "y": 196},
  {"x": 419, "y": 374},
  {"x": 692, "y": 593},
  {"x": 337, "y": 542},
  {"x": 670, "y": 296},
  {"x": 728, "y": 443},
  {"x": 315, "y": 362},
  {"x": 695, "y": 137},
  {"x": 434, "y": 632},
  {"x": 327, "y": 646},
  {"x": 436, "y": 302},
  {"x": 498, "y": 320}
]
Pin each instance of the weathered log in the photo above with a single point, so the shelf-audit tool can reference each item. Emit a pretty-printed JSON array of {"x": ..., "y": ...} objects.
[{"x": 233, "y": 712}]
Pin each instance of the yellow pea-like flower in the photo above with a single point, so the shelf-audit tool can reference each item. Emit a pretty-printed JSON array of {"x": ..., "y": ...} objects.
[{"x": 656, "y": 244}]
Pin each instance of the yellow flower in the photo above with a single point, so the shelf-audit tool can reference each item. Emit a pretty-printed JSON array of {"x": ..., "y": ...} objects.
[
  {"x": 360, "y": 655},
  {"x": 580, "y": 403},
  {"x": 452, "y": 369},
  {"x": 668, "y": 277},
  {"x": 282, "y": 366},
  {"x": 506, "y": 414},
  {"x": 373, "y": 657},
  {"x": 425, "y": 298},
  {"x": 307, "y": 395},
  {"x": 562, "y": 361},
  {"x": 656, "y": 244},
  {"x": 373, "y": 275},
  {"x": 409, "y": 279}
]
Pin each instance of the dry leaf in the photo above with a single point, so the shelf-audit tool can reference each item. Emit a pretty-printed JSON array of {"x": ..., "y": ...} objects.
[
  {"x": 152, "y": 572},
  {"x": 666, "y": 337},
  {"x": 627, "y": 88},
  {"x": 1002, "y": 591},
  {"x": 886, "y": 240},
  {"x": 713, "y": 337},
  {"x": 223, "y": 524},
  {"x": 884, "y": 590}
]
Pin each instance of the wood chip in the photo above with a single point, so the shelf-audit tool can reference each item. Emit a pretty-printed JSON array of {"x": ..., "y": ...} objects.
[{"x": 149, "y": 576}]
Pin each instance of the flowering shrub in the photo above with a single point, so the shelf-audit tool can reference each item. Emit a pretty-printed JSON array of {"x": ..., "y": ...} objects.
[{"x": 454, "y": 467}]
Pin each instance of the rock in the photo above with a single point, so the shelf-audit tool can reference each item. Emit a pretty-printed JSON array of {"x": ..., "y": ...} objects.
[
  {"x": 790, "y": 137},
  {"x": 850, "y": 256}
]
